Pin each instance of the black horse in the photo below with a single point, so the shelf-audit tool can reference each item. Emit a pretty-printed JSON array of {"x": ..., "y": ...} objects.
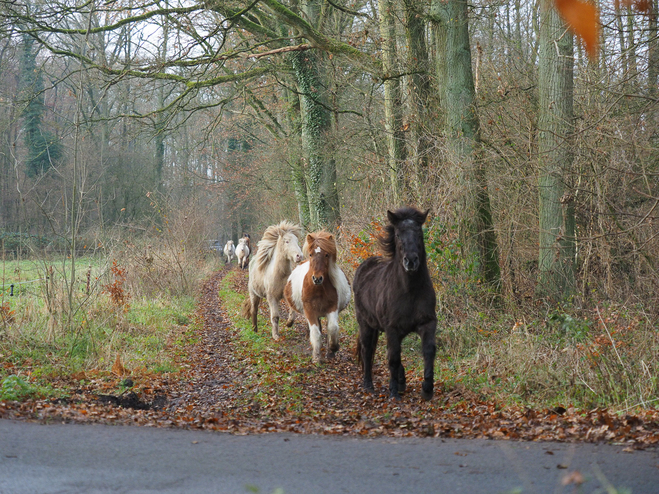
[{"x": 394, "y": 294}]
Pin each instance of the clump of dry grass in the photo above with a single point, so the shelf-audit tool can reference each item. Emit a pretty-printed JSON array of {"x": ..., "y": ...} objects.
[{"x": 128, "y": 299}]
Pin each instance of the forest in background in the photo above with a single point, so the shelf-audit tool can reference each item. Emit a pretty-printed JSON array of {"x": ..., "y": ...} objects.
[{"x": 539, "y": 163}]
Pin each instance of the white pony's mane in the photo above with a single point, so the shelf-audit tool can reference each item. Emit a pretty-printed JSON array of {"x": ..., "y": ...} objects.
[{"x": 268, "y": 243}]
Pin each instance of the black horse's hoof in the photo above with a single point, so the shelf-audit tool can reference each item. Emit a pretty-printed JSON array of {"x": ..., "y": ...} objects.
[
  {"x": 369, "y": 389},
  {"x": 331, "y": 355},
  {"x": 427, "y": 395},
  {"x": 395, "y": 397}
]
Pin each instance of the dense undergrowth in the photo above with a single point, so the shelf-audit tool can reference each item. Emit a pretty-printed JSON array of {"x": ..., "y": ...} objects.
[
  {"x": 521, "y": 349},
  {"x": 128, "y": 302},
  {"x": 122, "y": 311}
]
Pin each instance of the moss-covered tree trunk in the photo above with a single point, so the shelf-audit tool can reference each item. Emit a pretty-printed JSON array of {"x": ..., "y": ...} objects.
[
  {"x": 316, "y": 126},
  {"x": 555, "y": 126}
]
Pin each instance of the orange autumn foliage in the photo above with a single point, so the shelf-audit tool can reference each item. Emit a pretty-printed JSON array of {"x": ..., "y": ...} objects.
[{"x": 364, "y": 244}]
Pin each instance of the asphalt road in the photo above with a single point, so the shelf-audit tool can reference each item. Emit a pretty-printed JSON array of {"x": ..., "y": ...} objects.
[{"x": 72, "y": 458}]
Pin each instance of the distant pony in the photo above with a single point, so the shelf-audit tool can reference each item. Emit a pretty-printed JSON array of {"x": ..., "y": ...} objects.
[
  {"x": 394, "y": 295},
  {"x": 277, "y": 254},
  {"x": 318, "y": 288},
  {"x": 242, "y": 252},
  {"x": 229, "y": 250}
]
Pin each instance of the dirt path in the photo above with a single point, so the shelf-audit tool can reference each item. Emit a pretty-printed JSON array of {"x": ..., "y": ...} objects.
[{"x": 212, "y": 392}]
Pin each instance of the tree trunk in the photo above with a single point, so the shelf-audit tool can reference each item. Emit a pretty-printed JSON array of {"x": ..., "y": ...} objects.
[
  {"x": 316, "y": 126},
  {"x": 555, "y": 122},
  {"x": 393, "y": 118},
  {"x": 420, "y": 86},
  {"x": 653, "y": 50},
  {"x": 463, "y": 132}
]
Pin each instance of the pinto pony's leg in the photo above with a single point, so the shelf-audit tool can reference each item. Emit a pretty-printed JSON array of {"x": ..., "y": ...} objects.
[
  {"x": 428, "y": 346},
  {"x": 395, "y": 364},
  {"x": 333, "y": 333},
  {"x": 314, "y": 337},
  {"x": 291, "y": 317},
  {"x": 368, "y": 341},
  {"x": 274, "y": 316}
]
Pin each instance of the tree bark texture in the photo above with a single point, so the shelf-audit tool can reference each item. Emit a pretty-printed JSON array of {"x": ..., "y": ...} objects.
[
  {"x": 555, "y": 122},
  {"x": 462, "y": 129},
  {"x": 393, "y": 117},
  {"x": 316, "y": 126}
]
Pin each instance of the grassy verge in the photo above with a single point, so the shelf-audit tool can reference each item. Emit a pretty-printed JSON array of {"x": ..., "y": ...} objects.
[
  {"x": 274, "y": 370},
  {"x": 48, "y": 344},
  {"x": 608, "y": 358}
]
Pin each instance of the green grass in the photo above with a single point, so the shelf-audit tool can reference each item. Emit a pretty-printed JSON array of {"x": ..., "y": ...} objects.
[
  {"x": 38, "y": 344},
  {"x": 273, "y": 372},
  {"x": 28, "y": 276}
]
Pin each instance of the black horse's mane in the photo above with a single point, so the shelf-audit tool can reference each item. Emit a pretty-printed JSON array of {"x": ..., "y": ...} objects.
[{"x": 388, "y": 238}]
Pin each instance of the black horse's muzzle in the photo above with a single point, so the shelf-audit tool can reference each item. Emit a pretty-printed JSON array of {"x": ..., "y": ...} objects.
[{"x": 411, "y": 264}]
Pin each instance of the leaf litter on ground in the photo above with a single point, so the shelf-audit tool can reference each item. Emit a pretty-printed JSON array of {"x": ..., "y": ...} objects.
[{"x": 216, "y": 390}]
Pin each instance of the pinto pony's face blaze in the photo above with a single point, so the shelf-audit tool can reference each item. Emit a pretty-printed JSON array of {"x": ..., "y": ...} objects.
[{"x": 321, "y": 249}]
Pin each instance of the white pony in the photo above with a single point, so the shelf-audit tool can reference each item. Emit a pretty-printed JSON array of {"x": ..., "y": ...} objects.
[
  {"x": 318, "y": 288},
  {"x": 242, "y": 252},
  {"x": 229, "y": 250},
  {"x": 277, "y": 254}
]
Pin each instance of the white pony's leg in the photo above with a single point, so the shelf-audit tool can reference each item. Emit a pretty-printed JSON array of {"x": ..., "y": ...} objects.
[
  {"x": 254, "y": 310},
  {"x": 314, "y": 336},
  {"x": 274, "y": 316},
  {"x": 333, "y": 332}
]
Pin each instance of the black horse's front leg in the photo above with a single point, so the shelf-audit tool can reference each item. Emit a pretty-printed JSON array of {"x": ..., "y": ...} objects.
[
  {"x": 395, "y": 366},
  {"x": 368, "y": 339},
  {"x": 429, "y": 349}
]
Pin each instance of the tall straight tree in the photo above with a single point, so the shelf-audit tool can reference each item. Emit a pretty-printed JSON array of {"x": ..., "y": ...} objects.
[
  {"x": 555, "y": 156},
  {"x": 316, "y": 126},
  {"x": 420, "y": 90},
  {"x": 462, "y": 130},
  {"x": 393, "y": 117}
]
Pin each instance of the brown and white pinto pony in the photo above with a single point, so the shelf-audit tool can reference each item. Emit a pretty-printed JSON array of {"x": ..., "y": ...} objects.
[
  {"x": 318, "y": 288},
  {"x": 277, "y": 253}
]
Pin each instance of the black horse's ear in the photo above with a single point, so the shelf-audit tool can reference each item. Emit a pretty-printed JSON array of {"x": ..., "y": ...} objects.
[
  {"x": 425, "y": 215},
  {"x": 392, "y": 217}
]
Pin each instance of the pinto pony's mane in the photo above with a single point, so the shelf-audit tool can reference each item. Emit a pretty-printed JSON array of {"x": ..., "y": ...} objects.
[
  {"x": 388, "y": 238},
  {"x": 268, "y": 243},
  {"x": 323, "y": 240}
]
